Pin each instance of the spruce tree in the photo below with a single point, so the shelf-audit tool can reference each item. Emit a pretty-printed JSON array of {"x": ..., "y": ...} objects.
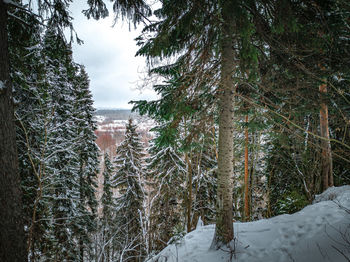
[
  {"x": 88, "y": 153},
  {"x": 166, "y": 171},
  {"x": 128, "y": 180},
  {"x": 107, "y": 220},
  {"x": 208, "y": 38},
  {"x": 65, "y": 163},
  {"x": 58, "y": 157},
  {"x": 34, "y": 125},
  {"x": 306, "y": 46},
  {"x": 55, "y": 14}
]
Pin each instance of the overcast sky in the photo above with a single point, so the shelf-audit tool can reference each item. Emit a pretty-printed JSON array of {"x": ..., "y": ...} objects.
[{"x": 108, "y": 54}]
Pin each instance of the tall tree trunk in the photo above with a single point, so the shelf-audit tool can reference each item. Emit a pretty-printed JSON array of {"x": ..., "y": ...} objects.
[
  {"x": 246, "y": 174},
  {"x": 326, "y": 154},
  {"x": 189, "y": 193},
  {"x": 12, "y": 239},
  {"x": 224, "y": 227}
]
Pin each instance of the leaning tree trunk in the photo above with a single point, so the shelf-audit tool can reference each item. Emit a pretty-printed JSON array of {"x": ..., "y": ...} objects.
[
  {"x": 224, "y": 227},
  {"x": 12, "y": 240},
  {"x": 326, "y": 152}
]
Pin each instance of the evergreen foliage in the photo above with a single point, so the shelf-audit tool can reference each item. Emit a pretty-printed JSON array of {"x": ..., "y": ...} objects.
[
  {"x": 58, "y": 156},
  {"x": 107, "y": 221},
  {"x": 303, "y": 55},
  {"x": 205, "y": 37},
  {"x": 280, "y": 63},
  {"x": 128, "y": 180},
  {"x": 204, "y": 179},
  {"x": 55, "y": 134},
  {"x": 88, "y": 153},
  {"x": 166, "y": 175},
  {"x": 278, "y": 71}
]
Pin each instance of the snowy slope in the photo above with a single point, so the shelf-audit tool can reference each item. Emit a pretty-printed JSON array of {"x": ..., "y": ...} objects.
[{"x": 319, "y": 232}]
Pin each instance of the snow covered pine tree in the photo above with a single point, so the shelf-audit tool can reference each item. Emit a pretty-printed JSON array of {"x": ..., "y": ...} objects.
[{"x": 128, "y": 179}]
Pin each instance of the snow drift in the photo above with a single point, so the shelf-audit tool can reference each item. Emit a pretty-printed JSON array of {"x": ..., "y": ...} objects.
[{"x": 319, "y": 232}]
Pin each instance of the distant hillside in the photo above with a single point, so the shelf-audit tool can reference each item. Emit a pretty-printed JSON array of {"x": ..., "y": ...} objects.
[
  {"x": 116, "y": 114},
  {"x": 111, "y": 125}
]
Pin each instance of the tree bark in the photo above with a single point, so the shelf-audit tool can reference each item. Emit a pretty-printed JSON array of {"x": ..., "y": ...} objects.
[
  {"x": 246, "y": 174},
  {"x": 224, "y": 227},
  {"x": 326, "y": 152},
  {"x": 12, "y": 238},
  {"x": 189, "y": 193}
]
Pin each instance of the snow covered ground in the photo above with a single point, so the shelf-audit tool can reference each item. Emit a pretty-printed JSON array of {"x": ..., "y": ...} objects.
[{"x": 320, "y": 232}]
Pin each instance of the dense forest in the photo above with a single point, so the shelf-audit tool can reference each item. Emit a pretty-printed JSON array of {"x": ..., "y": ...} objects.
[{"x": 252, "y": 121}]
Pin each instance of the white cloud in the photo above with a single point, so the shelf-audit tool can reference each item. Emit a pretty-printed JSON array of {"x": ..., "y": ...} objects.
[{"x": 108, "y": 54}]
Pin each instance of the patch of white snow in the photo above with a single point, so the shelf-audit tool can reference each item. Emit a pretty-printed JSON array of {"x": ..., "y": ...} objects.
[
  {"x": 318, "y": 233},
  {"x": 338, "y": 194}
]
